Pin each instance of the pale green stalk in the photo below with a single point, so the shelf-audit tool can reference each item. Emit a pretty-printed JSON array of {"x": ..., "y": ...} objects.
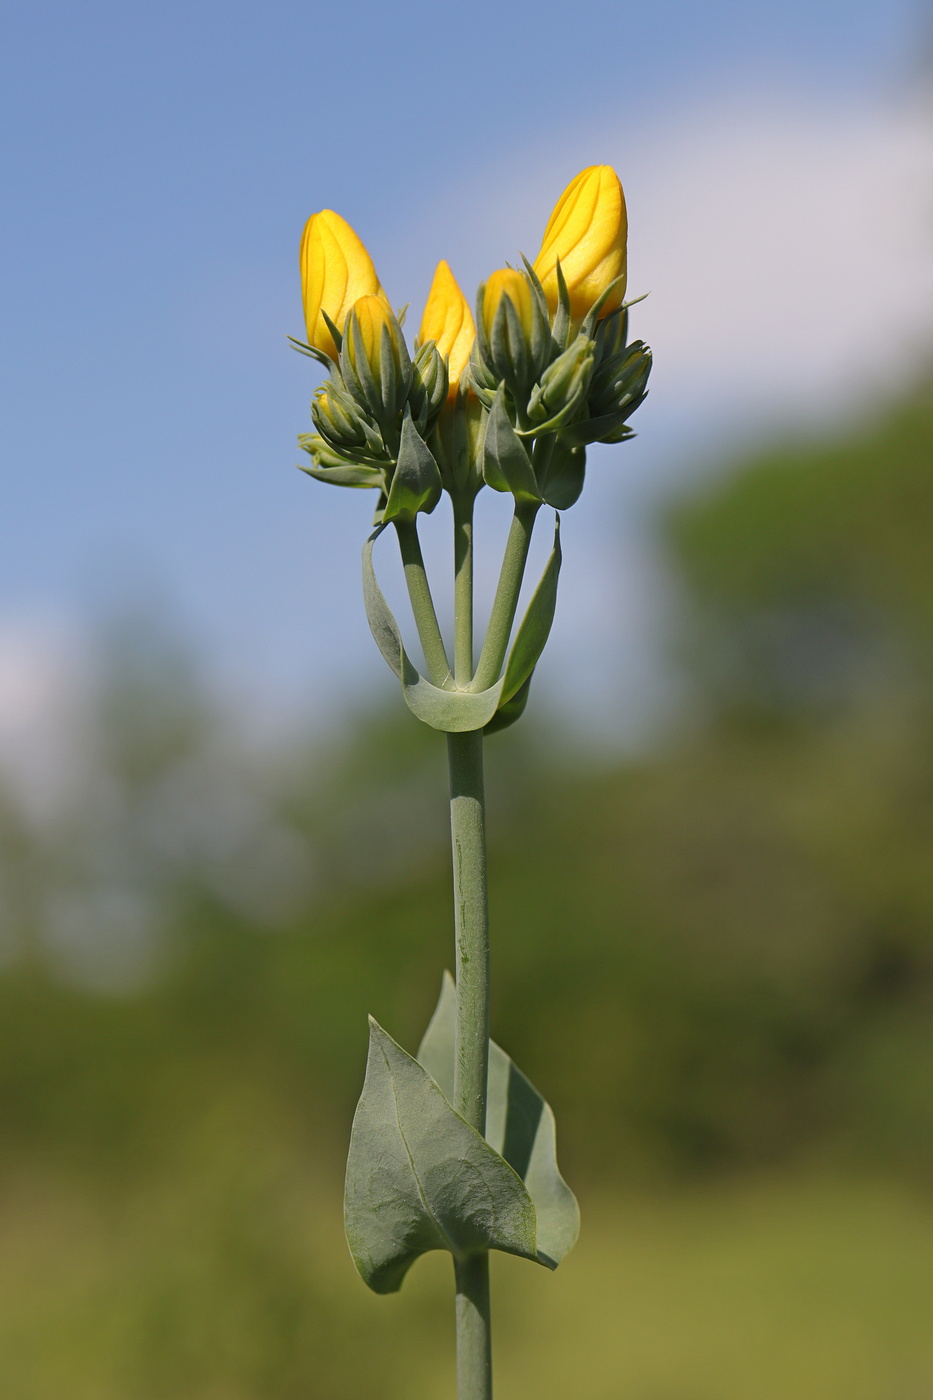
[
  {"x": 463, "y": 589},
  {"x": 506, "y": 600},
  {"x": 422, "y": 604}
]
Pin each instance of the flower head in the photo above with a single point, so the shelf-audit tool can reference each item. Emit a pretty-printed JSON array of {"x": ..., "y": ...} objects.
[
  {"x": 336, "y": 271},
  {"x": 587, "y": 233},
  {"x": 448, "y": 321}
]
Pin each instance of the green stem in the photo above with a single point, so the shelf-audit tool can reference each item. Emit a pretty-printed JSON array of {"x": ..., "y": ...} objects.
[
  {"x": 463, "y": 589},
  {"x": 471, "y": 1063},
  {"x": 506, "y": 600},
  {"x": 474, "y": 1354},
  {"x": 422, "y": 604}
]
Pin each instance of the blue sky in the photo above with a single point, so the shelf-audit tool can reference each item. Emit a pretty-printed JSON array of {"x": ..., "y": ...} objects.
[{"x": 159, "y": 162}]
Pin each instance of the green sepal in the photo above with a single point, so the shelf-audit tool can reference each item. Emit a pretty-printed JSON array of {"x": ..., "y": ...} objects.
[
  {"x": 335, "y": 333},
  {"x": 482, "y": 380},
  {"x": 608, "y": 428},
  {"x": 429, "y": 384},
  {"x": 520, "y": 1127},
  {"x": 563, "y": 321},
  {"x": 420, "y": 1178},
  {"x": 506, "y": 465},
  {"x": 311, "y": 351},
  {"x": 416, "y": 482},
  {"x": 346, "y": 475},
  {"x": 452, "y": 711},
  {"x": 325, "y": 454},
  {"x": 588, "y": 324}
]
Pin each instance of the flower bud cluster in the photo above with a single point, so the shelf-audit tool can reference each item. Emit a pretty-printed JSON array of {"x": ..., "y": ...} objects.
[{"x": 512, "y": 399}]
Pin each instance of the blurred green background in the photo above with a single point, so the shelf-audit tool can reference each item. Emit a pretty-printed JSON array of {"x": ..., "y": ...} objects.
[{"x": 714, "y": 958}]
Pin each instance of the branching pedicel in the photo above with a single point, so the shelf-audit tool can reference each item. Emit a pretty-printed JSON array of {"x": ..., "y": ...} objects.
[{"x": 454, "y": 1148}]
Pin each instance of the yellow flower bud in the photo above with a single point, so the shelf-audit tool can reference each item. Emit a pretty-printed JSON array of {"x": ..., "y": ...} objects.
[
  {"x": 448, "y": 321},
  {"x": 372, "y": 313},
  {"x": 336, "y": 271},
  {"x": 587, "y": 232},
  {"x": 506, "y": 282},
  {"x": 374, "y": 361}
]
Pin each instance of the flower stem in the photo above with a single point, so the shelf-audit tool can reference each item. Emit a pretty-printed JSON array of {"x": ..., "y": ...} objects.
[
  {"x": 463, "y": 589},
  {"x": 422, "y": 604},
  {"x": 471, "y": 1064},
  {"x": 506, "y": 600}
]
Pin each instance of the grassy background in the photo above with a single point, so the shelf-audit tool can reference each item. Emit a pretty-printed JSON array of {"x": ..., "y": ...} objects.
[{"x": 716, "y": 961}]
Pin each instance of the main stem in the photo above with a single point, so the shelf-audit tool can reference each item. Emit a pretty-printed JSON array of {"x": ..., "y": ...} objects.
[{"x": 471, "y": 1065}]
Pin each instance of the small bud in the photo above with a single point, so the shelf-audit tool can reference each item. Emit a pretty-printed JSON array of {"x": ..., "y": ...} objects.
[
  {"x": 343, "y": 424},
  {"x": 374, "y": 360},
  {"x": 336, "y": 271},
  {"x": 513, "y": 334},
  {"x": 563, "y": 386},
  {"x": 447, "y": 321},
  {"x": 429, "y": 389},
  {"x": 587, "y": 234},
  {"x": 621, "y": 381}
]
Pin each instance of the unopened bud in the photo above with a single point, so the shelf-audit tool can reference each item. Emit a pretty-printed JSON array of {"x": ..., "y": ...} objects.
[
  {"x": 374, "y": 360},
  {"x": 587, "y": 235},
  {"x": 336, "y": 271},
  {"x": 513, "y": 332},
  {"x": 447, "y": 321},
  {"x": 563, "y": 386}
]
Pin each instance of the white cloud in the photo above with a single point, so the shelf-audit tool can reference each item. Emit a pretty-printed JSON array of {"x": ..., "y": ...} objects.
[
  {"x": 787, "y": 244},
  {"x": 789, "y": 252},
  {"x": 41, "y": 709}
]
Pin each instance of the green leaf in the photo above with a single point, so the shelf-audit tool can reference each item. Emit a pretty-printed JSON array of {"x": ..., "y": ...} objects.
[
  {"x": 416, "y": 481},
  {"x": 519, "y": 1125},
  {"x": 566, "y": 474},
  {"x": 505, "y": 459},
  {"x": 453, "y": 711},
  {"x": 535, "y": 626},
  {"x": 420, "y": 1178}
]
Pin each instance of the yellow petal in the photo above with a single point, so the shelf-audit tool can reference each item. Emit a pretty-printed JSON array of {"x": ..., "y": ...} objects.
[
  {"x": 447, "y": 321},
  {"x": 336, "y": 271},
  {"x": 587, "y": 231}
]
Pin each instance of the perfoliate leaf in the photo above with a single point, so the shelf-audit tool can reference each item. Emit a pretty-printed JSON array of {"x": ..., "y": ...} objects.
[
  {"x": 511, "y": 711},
  {"x": 453, "y": 711},
  {"x": 505, "y": 459},
  {"x": 519, "y": 1125},
  {"x": 420, "y": 1178}
]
